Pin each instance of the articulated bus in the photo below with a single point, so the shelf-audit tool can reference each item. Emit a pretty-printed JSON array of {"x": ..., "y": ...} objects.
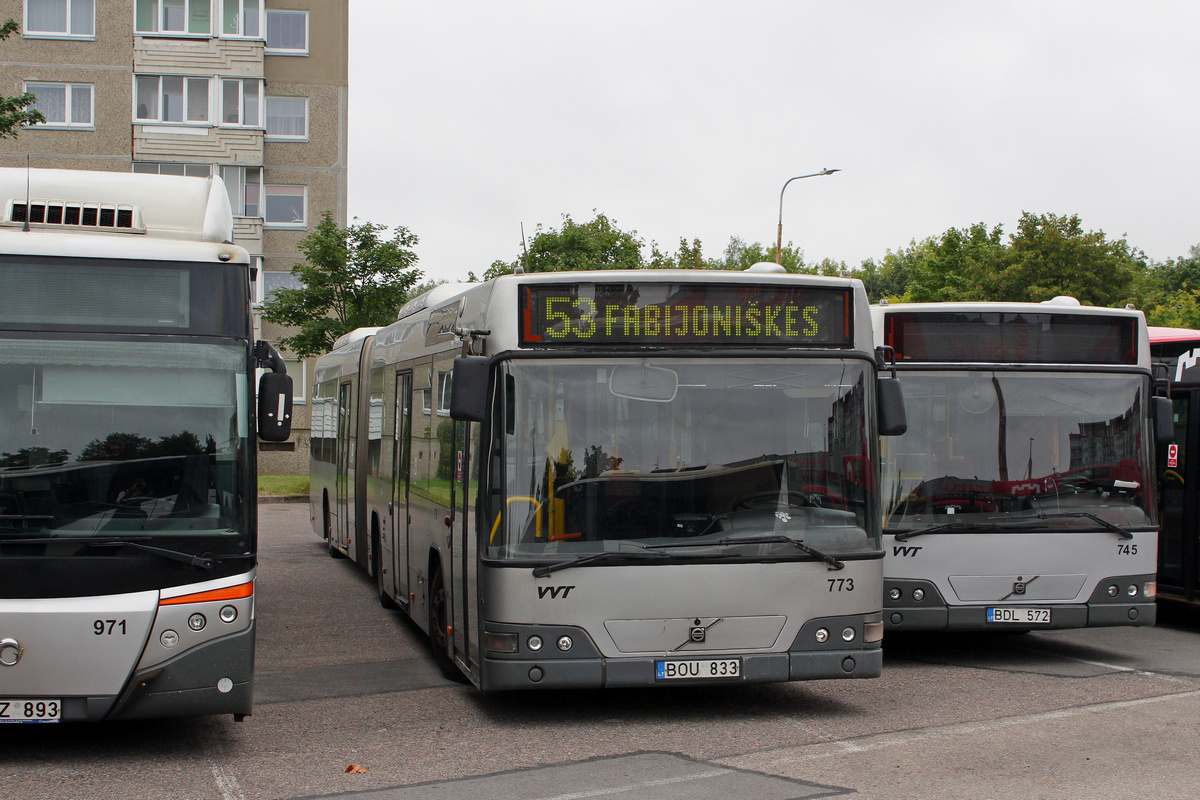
[
  {"x": 1178, "y": 349},
  {"x": 127, "y": 457},
  {"x": 1023, "y": 495},
  {"x": 605, "y": 479}
]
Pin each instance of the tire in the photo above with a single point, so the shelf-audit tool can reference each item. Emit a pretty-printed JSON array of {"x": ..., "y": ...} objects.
[{"x": 437, "y": 630}]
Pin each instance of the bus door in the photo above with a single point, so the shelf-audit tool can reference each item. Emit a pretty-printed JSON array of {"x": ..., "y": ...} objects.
[
  {"x": 465, "y": 550},
  {"x": 397, "y": 552},
  {"x": 1179, "y": 493},
  {"x": 343, "y": 524}
]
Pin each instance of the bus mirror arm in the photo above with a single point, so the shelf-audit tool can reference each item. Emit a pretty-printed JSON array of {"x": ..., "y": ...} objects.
[{"x": 274, "y": 395}]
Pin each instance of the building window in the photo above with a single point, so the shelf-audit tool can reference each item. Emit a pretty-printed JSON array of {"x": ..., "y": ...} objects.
[
  {"x": 171, "y": 99},
  {"x": 287, "y": 32},
  {"x": 298, "y": 369},
  {"x": 173, "y": 168},
  {"x": 287, "y": 118},
  {"x": 65, "y": 18},
  {"x": 242, "y": 18},
  {"x": 256, "y": 281},
  {"x": 273, "y": 281},
  {"x": 64, "y": 105},
  {"x": 184, "y": 17},
  {"x": 285, "y": 206},
  {"x": 245, "y": 190},
  {"x": 241, "y": 100},
  {"x": 445, "y": 381}
]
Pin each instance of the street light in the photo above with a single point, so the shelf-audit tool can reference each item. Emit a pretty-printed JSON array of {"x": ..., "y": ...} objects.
[{"x": 779, "y": 241}]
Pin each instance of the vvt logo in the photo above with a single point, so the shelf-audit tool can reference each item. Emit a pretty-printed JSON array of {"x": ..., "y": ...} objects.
[
  {"x": 554, "y": 592},
  {"x": 905, "y": 551}
]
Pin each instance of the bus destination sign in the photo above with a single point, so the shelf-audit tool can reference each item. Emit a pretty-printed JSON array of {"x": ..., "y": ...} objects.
[
  {"x": 685, "y": 313},
  {"x": 1011, "y": 337}
]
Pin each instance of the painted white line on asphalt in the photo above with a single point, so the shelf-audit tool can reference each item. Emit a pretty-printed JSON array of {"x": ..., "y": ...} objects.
[
  {"x": 636, "y": 787},
  {"x": 1101, "y": 664},
  {"x": 227, "y": 784},
  {"x": 880, "y": 741}
]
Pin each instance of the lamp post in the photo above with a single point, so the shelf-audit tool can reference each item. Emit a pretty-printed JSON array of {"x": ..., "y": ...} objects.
[{"x": 779, "y": 240}]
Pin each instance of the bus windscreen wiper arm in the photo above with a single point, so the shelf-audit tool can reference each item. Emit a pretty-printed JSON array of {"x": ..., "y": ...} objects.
[
  {"x": 1103, "y": 523},
  {"x": 204, "y": 562},
  {"x": 595, "y": 558},
  {"x": 986, "y": 527},
  {"x": 833, "y": 563}
]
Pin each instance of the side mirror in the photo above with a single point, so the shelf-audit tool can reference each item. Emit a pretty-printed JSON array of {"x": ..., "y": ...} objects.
[
  {"x": 468, "y": 390},
  {"x": 893, "y": 421},
  {"x": 1163, "y": 418},
  {"x": 274, "y": 406}
]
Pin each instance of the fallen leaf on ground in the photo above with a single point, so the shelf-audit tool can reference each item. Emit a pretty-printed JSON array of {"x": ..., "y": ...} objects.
[{"x": 357, "y": 769}]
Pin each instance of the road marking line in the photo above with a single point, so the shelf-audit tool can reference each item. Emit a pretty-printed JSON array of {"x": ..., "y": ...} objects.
[
  {"x": 879, "y": 741},
  {"x": 633, "y": 787},
  {"x": 227, "y": 784}
]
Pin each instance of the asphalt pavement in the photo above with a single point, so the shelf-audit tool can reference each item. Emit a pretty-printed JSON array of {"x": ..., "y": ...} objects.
[{"x": 349, "y": 705}]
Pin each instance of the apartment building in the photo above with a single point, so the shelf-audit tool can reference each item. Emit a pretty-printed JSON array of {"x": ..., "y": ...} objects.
[{"x": 251, "y": 90}]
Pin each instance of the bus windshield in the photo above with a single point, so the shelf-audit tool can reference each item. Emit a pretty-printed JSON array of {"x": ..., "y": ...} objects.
[
  {"x": 627, "y": 453},
  {"x": 123, "y": 437},
  {"x": 997, "y": 446}
]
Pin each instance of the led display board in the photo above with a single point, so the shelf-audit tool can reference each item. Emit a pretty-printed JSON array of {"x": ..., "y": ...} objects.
[
  {"x": 1011, "y": 337},
  {"x": 656, "y": 313}
]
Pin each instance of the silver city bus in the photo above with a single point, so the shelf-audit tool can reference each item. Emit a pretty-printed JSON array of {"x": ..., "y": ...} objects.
[
  {"x": 127, "y": 458},
  {"x": 1022, "y": 495},
  {"x": 622, "y": 478}
]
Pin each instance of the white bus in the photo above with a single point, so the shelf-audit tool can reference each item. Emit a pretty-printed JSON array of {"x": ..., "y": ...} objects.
[
  {"x": 1023, "y": 494},
  {"x": 623, "y": 478},
  {"x": 127, "y": 457}
]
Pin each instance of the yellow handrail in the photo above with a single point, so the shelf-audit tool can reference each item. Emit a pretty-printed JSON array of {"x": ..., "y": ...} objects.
[{"x": 537, "y": 530}]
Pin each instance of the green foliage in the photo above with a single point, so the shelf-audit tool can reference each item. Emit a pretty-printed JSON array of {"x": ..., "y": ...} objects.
[
  {"x": 598, "y": 244},
  {"x": 15, "y": 113},
  {"x": 280, "y": 485},
  {"x": 740, "y": 256},
  {"x": 1051, "y": 255},
  {"x": 353, "y": 278}
]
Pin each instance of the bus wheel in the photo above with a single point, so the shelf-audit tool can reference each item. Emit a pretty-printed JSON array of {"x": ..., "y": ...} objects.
[{"x": 438, "y": 638}]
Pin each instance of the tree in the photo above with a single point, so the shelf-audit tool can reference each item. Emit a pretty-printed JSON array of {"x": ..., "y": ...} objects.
[
  {"x": 598, "y": 244},
  {"x": 960, "y": 266},
  {"x": 14, "y": 111},
  {"x": 352, "y": 278},
  {"x": 1051, "y": 255}
]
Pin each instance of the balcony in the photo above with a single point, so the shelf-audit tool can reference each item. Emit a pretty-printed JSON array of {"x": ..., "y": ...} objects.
[{"x": 227, "y": 58}]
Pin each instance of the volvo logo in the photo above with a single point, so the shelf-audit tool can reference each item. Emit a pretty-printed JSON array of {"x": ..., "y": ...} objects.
[
  {"x": 697, "y": 632},
  {"x": 1019, "y": 586},
  {"x": 10, "y": 652}
]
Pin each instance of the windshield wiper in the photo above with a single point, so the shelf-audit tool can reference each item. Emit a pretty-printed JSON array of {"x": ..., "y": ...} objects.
[
  {"x": 1103, "y": 523},
  {"x": 204, "y": 562},
  {"x": 596, "y": 558},
  {"x": 952, "y": 527},
  {"x": 833, "y": 563}
]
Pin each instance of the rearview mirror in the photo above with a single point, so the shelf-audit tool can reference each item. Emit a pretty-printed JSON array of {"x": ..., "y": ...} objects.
[
  {"x": 1163, "y": 419},
  {"x": 274, "y": 406},
  {"x": 656, "y": 384},
  {"x": 893, "y": 420},
  {"x": 468, "y": 388}
]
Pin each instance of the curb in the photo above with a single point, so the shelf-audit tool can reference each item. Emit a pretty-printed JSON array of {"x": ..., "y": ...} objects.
[{"x": 283, "y": 498}]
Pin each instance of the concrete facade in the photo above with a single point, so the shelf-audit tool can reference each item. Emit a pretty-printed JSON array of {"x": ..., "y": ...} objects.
[{"x": 264, "y": 49}]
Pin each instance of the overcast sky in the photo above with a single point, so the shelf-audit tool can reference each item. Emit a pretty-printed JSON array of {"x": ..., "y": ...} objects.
[{"x": 684, "y": 119}]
